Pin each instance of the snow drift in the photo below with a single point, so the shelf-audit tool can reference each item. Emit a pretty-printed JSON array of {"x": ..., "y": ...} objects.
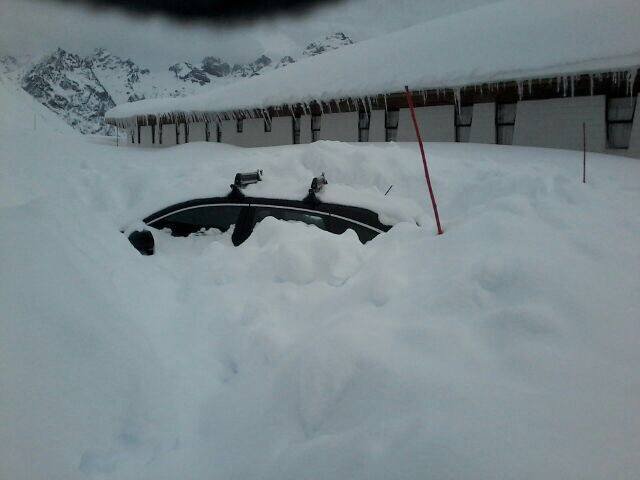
[{"x": 505, "y": 348}]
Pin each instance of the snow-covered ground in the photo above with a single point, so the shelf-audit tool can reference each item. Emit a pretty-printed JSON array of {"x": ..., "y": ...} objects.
[{"x": 505, "y": 348}]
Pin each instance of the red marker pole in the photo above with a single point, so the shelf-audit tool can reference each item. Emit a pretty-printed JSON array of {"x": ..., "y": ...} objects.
[{"x": 424, "y": 158}]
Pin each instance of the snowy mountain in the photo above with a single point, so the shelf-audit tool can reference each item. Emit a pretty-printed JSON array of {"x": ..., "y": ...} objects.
[
  {"x": 188, "y": 73},
  {"x": 10, "y": 63},
  {"x": 121, "y": 78},
  {"x": 330, "y": 42},
  {"x": 66, "y": 84},
  {"x": 80, "y": 89}
]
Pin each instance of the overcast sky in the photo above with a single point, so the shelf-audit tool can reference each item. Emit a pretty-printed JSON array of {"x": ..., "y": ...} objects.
[{"x": 37, "y": 26}]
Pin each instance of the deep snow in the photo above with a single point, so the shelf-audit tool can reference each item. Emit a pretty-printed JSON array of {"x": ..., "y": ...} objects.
[{"x": 505, "y": 348}]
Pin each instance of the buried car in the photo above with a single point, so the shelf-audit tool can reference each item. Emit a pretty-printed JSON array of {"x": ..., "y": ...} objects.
[{"x": 242, "y": 213}]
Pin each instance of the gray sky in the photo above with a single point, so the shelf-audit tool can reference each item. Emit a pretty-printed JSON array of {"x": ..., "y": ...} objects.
[{"x": 38, "y": 26}]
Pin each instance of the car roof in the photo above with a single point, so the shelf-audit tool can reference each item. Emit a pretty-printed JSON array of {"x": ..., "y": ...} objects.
[{"x": 357, "y": 214}]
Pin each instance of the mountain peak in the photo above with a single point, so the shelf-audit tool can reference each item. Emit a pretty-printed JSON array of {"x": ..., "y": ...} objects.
[
  {"x": 81, "y": 88},
  {"x": 330, "y": 42},
  {"x": 187, "y": 72},
  {"x": 215, "y": 66}
]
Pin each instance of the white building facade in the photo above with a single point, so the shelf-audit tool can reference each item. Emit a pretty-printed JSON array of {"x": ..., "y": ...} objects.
[{"x": 612, "y": 125}]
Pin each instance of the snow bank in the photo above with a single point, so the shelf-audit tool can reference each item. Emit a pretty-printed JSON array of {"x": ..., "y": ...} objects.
[
  {"x": 505, "y": 348},
  {"x": 506, "y": 40}
]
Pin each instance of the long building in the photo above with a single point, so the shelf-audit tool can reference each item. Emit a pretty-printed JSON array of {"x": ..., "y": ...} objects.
[{"x": 513, "y": 73}]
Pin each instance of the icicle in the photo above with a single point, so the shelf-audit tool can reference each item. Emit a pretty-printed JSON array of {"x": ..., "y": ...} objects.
[
  {"x": 591, "y": 83},
  {"x": 573, "y": 85},
  {"x": 519, "y": 86},
  {"x": 386, "y": 109},
  {"x": 632, "y": 80},
  {"x": 424, "y": 97},
  {"x": 369, "y": 103},
  {"x": 456, "y": 99}
]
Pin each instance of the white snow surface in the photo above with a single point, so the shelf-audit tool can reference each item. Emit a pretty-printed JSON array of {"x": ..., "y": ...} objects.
[
  {"x": 506, "y": 40},
  {"x": 505, "y": 348}
]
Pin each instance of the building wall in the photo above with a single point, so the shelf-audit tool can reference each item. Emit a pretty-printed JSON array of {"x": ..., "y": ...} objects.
[
  {"x": 305, "y": 129},
  {"x": 253, "y": 132},
  {"x": 634, "y": 141},
  {"x": 168, "y": 135},
  {"x": 281, "y": 131},
  {"x": 437, "y": 124},
  {"x": 228, "y": 132},
  {"x": 339, "y": 126},
  {"x": 145, "y": 136},
  {"x": 181, "y": 133},
  {"x": 483, "y": 123},
  {"x": 197, "y": 132},
  {"x": 557, "y": 123},
  {"x": 377, "y": 131}
]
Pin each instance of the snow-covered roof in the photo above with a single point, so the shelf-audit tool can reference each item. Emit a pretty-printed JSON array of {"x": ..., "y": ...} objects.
[{"x": 506, "y": 40}]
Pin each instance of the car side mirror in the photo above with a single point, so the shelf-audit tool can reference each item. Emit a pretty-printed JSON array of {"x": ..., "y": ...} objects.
[{"x": 142, "y": 241}]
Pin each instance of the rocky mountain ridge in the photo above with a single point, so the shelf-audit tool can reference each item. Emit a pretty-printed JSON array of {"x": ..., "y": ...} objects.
[{"x": 81, "y": 89}]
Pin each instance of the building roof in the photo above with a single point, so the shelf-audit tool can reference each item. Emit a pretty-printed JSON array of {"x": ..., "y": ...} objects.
[{"x": 506, "y": 40}]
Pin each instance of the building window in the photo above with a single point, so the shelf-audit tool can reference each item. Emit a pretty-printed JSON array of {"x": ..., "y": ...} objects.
[
  {"x": 363, "y": 126},
  {"x": 296, "y": 130},
  {"x": 620, "y": 113},
  {"x": 464, "y": 116},
  {"x": 391, "y": 118},
  {"x": 505, "y": 123},
  {"x": 315, "y": 127},
  {"x": 267, "y": 124},
  {"x": 239, "y": 125}
]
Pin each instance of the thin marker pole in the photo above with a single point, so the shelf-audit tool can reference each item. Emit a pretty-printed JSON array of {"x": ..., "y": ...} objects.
[
  {"x": 424, "y": 158},
  {"x": 584, "y": 153}
]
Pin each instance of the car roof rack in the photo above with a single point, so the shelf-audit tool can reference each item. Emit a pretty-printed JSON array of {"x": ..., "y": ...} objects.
[
  {"x": 317, "y": 184},
  {"x": 241, "y": 180}
]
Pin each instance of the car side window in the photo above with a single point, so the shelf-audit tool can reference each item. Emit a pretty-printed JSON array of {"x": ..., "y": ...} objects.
[
  {"x": 190, "y": 220},
  {"x": 339, "y": 226},
  {"x": 310, "y": 218}
]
